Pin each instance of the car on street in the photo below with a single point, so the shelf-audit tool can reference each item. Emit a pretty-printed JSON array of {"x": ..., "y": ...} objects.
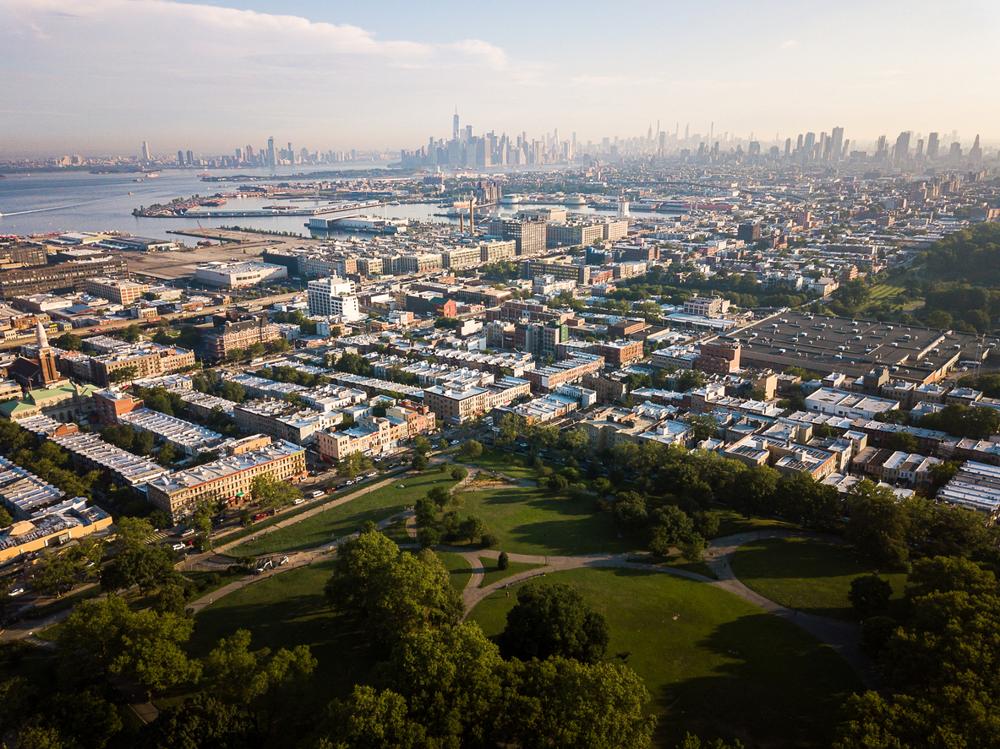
[
  {"x": 178, "y": 546},
  {"x": 15, "y": 592}
]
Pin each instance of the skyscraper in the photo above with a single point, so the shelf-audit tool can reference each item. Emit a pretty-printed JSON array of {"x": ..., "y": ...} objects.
[
  {"x": 933, "y": 144},
  {"x": 837, "y": 144},
  {"x": 455, "y": 125},
  {"x": 180, "y": 158},
  {"x": 271, "y": 161},
  {"x": 144, "y": 155},
  {"x": 901, "y": 151}
]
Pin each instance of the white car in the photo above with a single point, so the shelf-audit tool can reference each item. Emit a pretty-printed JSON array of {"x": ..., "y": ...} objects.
[
  {"x": 178, "y": 547},
  {"x": 18, "y": 591}
]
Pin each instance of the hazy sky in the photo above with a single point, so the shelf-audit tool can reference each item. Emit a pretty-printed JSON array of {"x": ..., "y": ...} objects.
[{"x": 101, "y": 75}]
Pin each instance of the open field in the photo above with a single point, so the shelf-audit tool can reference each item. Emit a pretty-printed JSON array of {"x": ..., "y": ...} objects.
[
  {"x": 492, "y": 574},
  {"x": 347, "y": 518},
  {"x": 458, "y": 567},
  {"x": 805, "y": 574},
  {"x": 288, "y": 610},
  {"x": 532, "y": 520},
  {"x": 505, "y": 463},
  {"x": 713, "y": 663}
]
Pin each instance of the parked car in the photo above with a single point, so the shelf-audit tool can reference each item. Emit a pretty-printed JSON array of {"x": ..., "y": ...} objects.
[
  {"x": 178, "y": 546},
  {"x": 18, "y": 591}
]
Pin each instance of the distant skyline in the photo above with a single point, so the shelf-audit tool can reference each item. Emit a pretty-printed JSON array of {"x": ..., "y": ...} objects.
[{"x": 100, "y": 76}]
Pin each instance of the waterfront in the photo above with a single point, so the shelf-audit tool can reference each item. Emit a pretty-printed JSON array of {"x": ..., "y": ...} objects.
[{"x": 78, "y": 201}]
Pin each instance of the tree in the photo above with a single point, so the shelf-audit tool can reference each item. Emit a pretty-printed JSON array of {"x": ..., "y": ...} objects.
[
  {"x": 203, "y": 721},
  {"x": 419, "y": 462},
  {"x": 503, "y": 561},
  {"x": 421, "y": 445},
  {"x": 5, "y": 518},
  {"x": 104, "y": 636},
  {"x": 268, "y": 491},
  {"x": 869, "y": 595},
  {"x": 877, "y": 524},
  {"x": 459, "y": 473},
  {"x": 391, "y": 591},
  {"x": 202, "y": 523},
  {"x": 142, "y": 565},
  {"x": 553, "y": 620},
  {"x": 54, "y": 574},
  {"x": 237, "y": 674},
  {"x": 561, "y": 702},
  {"x": 374, "y": 720},
  {"x": 131, "y": 333},
  {"x": 167, "y": 455},
  {"x": 69, "y": 342},
  {"x": 671, "y": 526},
  {"x": 471, "y": 450},
  {"x": 439, "y": 495},
  {"x": 702, "y": 427}
]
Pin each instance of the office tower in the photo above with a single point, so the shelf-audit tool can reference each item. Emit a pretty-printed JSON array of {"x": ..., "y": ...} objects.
[
  {"x": 144, "y": 154},
  {"x": 271, "y": 161},
  {"x": 881, "y": 148},
  {"x": 190, "y": 158},
  {"x": 837, "y": 143},
  {"x": 809, "y": 145},
  {"x": 976, "y": 152},
  {"x": 468, "y": 133},
  {"x": 788, "y": 147},
  {"x": 455, "y": 125},
  {"x": 687, "y": 131},
  {"x": 920, "y": 148},
  {"x": 955, "y": 152},
  {"x": 901, "y": 151},
  {"x": 933, "y": 144},
  {"x": 180, "y": 158}
]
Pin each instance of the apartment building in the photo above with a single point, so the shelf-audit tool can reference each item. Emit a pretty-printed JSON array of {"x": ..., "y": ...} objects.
[
  {"x": 117, "y": 290},
  {"x": 497, "y": 250},
  {"x": 134, "y": 361},
  {"x": 281, "y": 420},
  {"x": 377, "y": 435},
  {"x": 457, "y": 405},
  {"x": 461, "y": 257},
  {"x": 564, "y": 372},
  {"x": 333, "y": 297},
  {"x": 528, "y": 236},
  {"x": 227, "y": 335},
  {"x": 228, "y": 479}
]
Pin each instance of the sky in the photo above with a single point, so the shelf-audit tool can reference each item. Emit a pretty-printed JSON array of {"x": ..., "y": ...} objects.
[{"x": 100, "y": 76}]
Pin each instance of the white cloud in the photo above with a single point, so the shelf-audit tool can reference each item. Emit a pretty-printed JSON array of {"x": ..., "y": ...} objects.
[
  {"x": 789, "y": 44},
  {"x": 205, "y": 32}
]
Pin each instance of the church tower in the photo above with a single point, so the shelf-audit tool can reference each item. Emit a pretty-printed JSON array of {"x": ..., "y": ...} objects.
[{"x": 46, "y": 357}]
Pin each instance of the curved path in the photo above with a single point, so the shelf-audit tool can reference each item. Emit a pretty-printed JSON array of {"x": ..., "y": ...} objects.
[{"x": 842, "y": 636}]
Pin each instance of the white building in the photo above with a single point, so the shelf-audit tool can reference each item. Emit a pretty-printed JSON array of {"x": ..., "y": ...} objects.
[
  {"x": 850, "y": 405},
  {"x": 238, "y": 275},
  {"x": 333, "y": 297}
]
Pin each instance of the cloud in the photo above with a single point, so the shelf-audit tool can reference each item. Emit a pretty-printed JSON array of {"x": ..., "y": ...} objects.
[
  {"x": 150, "y": 27},
  {"x": 789, "y": 44}
]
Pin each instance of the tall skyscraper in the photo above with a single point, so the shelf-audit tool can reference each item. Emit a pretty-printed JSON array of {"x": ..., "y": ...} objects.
[
  {"x": 180, "y": 158},
  {"x": 901, "y": 151},
  {"x": 933, "y": 145},
  {"x": 271, "y": 161},
  {"x": 976, "y": 152},
  {"x": 144, "y": 155},
  {"x": 837, "y": 144},
  {"x": 455, "y": 125}
]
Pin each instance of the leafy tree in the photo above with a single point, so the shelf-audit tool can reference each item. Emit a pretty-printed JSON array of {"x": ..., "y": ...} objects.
[
  {"x": 702, "y": 427},
  {"x": 877, "y": 524},
  {"x": 203, "y": 721},
  {"x": 421, "y": 445},
  {"x": 104, "y": 636},
  {"x": 370, "y": 719},
  {"x": 471, "y": 450},
  {"x": 554, "y": 620},
  {"x": 565, "y": 703},
  {"x": 459, "y": 473},
  {"x": 439, "y": 495},
  {"x": 142, "y": 565},
  {"x": 869, "y": 595},
  {"x": 503, "y": 561},
  {"x": 54, "y": 574},
  {"x": 238, "y": 674},
  {"x": 419, "y": 462},
  {"x": 268, "y": 491},
  {"x": 5, "y": 518},
  {"x": 977, "y": 422},
  {"x": 131, "y": 333},
  {"x": 69, "y": 342}
]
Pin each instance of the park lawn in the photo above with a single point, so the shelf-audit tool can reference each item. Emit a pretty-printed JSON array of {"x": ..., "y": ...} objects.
[
  {"x": 732, "y": 522},
  {"x": 324, "y": 527},
  {"x": 505, "y": 463},
  {"x": 713, "y": 663},
  {"x": 535, "y": 520},
  {"x": 492, "y": 574},
  {"x": 806, "y": 574},
  {"x": 457, "y": 567},
  {"x": 287, "y": 610}
]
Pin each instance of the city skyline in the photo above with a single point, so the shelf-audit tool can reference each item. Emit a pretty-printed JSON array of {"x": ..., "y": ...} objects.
[{"x": 197, "y": 73}]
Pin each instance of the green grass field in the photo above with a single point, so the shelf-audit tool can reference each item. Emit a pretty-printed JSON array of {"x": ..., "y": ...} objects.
[
  {"x": 458, "y": 567},
  {"x": 530, "y": 520},
  {"x": 505, "y": 463},
  {"x": 732, "y": 522},
  {"x": 345, "y": 519},
  {"x": 493, "y": 575},
  {"x": 806, "y": 574},
  {"x": 288, "y": 610},
  {"x": 714, "y": 664}
]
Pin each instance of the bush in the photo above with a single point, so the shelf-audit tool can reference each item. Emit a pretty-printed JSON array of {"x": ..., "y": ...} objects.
[
  {"x": 459, "y": 473},
  {"x": 488, "y": 540},
  {"x": 869, "y": 595}
]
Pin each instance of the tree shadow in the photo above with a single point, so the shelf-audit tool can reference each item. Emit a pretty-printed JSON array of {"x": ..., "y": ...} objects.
[{"x": 777, "y": 687}]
